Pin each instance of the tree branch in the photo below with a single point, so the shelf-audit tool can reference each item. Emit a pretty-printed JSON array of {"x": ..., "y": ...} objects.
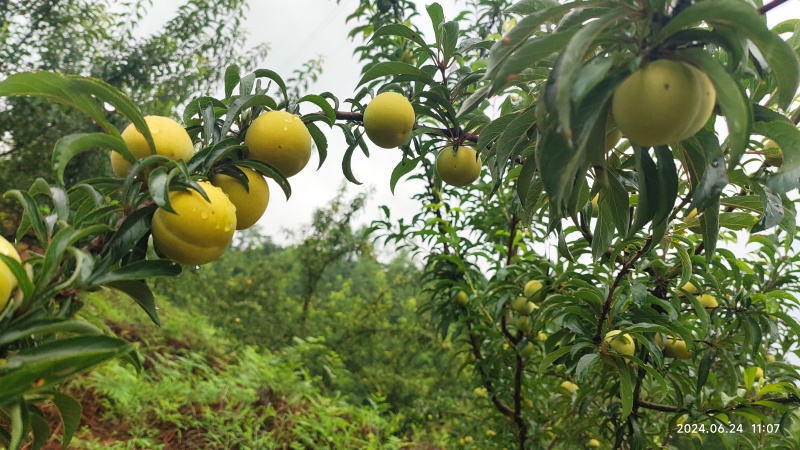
[
  {"x": 626, "y": 267},
  {"x": 487, "y": 383},
  {"x": 523, "y": 429},
  {"x": 675, "y": 409},
  {"x": 770, "y": 6},
  {"x": 656, "y": 406},
  {"x": 449, "y": 132}
]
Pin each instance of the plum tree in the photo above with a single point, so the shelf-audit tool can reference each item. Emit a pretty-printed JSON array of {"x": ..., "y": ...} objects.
[{"x": 533, "y": 101}]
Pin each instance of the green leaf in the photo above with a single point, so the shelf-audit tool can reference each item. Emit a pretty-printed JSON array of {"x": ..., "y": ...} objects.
[
  {"x": 703, "y": 369},
  {"x": 18, "y": 270},
  {"x": 494, "y": 130},
  {"x": 31, "y": 218},
  {"x": 529, "y": 188},
  {"x": 73, "y": 145},
  {"x": 401, "y": 169},
  {"x": 51, "y": 326},
  {"x": 320, "y": 101},
  {"x": 231, "y": 78},
  {"x": 390, "y": 68},
  {"x": 745, "y": 202},
  {"x": 205, "y": 160},
  {"x": 141, "y": 293},
  {"x": 603, "y": 231},
  {"x": 116, "y": 98},
  {"x": 731, "y": 100},
  {"x": 525, "y": 7},
  {"x": 787, "y": 136},
  {"x": 320, "y": 141},
  {"x": 158, "y": 184},
  {"x": 40, "y": 429},
  {"x": 668, "y": 179},
  {"x": 558, "y": 165},
  {"x": 709, "y": 228},
  {"x": 53, "y": 257},
  {"x": 449, "y": 39},
  {"x": 514, "y": 139},
  {"x": 130, "y": 232},
  {"x": 585, "y": 365},
  {"x": 625, "y": 387},
  {"x": 240, "y": 104},
  {"x": 140, "y": 270},
  {"x": 590, "y": 76},
  {"x": 19, "y": 423},
  {"x": 57, "y": 195},
  {"x": 572, "y": 59},
  {"x": 649, "y": 201},
  {"x": 396, "y": 29},
  {"x": 49, "y": 364},
  {"x": 70, "y": 411},
  {"x": 57, "y": 88},
  {"x": 526, "y": 56},
  {"x": 772, "y": 211},
  {"x": 269, "y": 171},
  {"x": 552, "y": 356},
  {"x": 686, "y": 263},
  {"x": 745, "y": 20},
  {"x": 704, "y": 149},
  {"x": 196, "y": 106},
  {"x": 616, "y": 196},
  {"x": 266, "y": 73},
  {"x": 474, "y": 100},
  {"x": 436, "y": 15},
  {"x": 526, "y": 28}
]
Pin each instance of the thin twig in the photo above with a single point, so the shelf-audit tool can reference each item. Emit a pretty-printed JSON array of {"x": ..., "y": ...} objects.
[
  {"x": 449, "y": 132},
  {"x": 770, "y": 6},
  {"x": 626, "y": 267}
]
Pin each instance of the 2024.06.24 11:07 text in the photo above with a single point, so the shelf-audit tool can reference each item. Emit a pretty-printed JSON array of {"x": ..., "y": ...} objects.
[{"x": 727, "y": 428}]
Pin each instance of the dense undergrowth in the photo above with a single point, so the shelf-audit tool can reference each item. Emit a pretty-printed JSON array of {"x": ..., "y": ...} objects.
[{"x": 204, "y": 389}]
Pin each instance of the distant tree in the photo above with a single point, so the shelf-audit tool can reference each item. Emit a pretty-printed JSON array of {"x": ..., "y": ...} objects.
[{"x": 99, "y": 39}]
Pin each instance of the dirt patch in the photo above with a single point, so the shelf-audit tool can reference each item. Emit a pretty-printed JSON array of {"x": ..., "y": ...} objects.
[{"x": 92, "y": 413}]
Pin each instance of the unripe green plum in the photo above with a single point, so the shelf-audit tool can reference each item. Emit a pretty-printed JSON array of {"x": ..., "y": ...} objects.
[
  {"x": 169, "y": 137},
  {"x": 8, "y": 282},
  {"x": 532, "y": 287},
  {"x": 623, "y": 344},
  {"x": 250, "y": 204},
  {"x": 459, "y": 169},
  {"x": 676, "y": 348},
  {"x": 280, "y": 139},
  {"x": 389, "y": 119},
  {"x": 199, "y": 231},
  {"x": 659, "y": 103}
]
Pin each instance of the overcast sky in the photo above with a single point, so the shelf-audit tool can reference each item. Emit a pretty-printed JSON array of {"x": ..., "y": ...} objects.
[{"x": 298, "y": 31}]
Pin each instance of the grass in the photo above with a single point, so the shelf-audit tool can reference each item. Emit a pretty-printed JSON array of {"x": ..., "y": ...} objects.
[{"x": 203, "y": 389}]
